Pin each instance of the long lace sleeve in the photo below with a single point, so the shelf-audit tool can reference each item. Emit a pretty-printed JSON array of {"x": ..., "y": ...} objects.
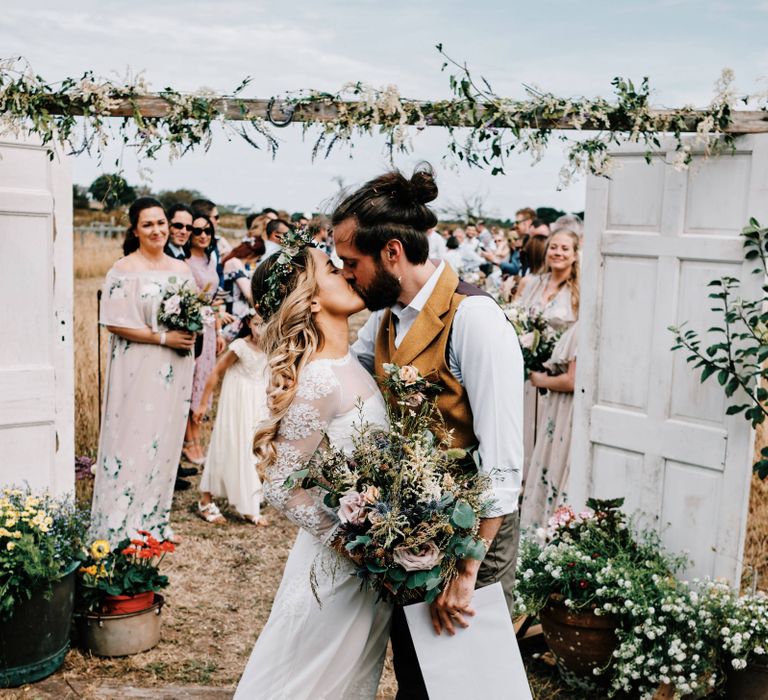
[{"x": 301, "y": 432}]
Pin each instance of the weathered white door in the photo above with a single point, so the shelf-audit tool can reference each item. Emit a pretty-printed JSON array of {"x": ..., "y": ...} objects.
[
  {"x": 36, "y": 356},
  {"x": 644, "y": 427}
]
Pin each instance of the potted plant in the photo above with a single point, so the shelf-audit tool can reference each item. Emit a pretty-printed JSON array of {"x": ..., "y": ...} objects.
[
  {"x": 738, "y": 628},
  {"x": 40, "y": 542},
  {"x": 118, "y": 597},
  {"x": 612, "y": 612}
]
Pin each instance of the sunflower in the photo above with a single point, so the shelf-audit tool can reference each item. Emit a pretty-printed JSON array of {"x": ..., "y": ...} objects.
[{"x": 99, "y": 549}]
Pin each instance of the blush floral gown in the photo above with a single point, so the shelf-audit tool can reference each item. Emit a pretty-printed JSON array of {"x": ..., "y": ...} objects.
[
  {"x": 332, "y": 649},
  {"x": 204, "y": 272},
  {"x": 146, "y": 402}
]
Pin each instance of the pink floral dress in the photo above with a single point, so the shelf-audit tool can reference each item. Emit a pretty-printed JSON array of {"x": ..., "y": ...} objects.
[{"x": 207, "y": 281}]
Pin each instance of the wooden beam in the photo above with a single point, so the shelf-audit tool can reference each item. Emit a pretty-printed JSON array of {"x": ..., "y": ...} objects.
[{"x": 744, "y": 122}]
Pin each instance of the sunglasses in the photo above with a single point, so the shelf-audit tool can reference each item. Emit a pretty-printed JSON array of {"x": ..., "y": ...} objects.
[
  {"x": 201, "y": 231},
  {"x": 181, "y": 227}
]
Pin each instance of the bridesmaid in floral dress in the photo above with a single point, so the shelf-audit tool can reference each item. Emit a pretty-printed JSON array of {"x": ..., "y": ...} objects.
[
  {"x": 148, "y": 386},
  {"x": 202, "y": 262},
  {"x": 556, "y": 294}
]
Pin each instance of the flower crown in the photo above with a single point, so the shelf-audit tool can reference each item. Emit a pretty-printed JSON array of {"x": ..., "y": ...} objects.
[{"x": 294, "y": 242}]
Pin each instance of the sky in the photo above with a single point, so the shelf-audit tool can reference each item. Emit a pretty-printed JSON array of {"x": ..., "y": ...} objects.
[{"x": 560, "y": 46}]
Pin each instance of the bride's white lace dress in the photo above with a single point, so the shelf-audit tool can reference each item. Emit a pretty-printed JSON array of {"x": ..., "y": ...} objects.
[{"x": 332, "y": 650}]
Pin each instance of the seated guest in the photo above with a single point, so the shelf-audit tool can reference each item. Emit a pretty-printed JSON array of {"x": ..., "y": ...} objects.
[
  {"x": 180, "y": 225},
  {"x": 436, "y": 245}
]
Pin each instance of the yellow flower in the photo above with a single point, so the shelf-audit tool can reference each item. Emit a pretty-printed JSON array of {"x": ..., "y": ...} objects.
[
  {"x": 99, "y": 549},
  {"x": 10, "y": 546},
  {"x": 5, "y": 533},
  {"x": 10, "y": 522}
]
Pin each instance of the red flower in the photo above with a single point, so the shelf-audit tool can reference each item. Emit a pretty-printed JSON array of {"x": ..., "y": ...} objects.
[
  {"x": 145, "y": 554},
  {"x": 129, "y": 551},
  {"x": 167, "y": 546},
  {"x": 138, "y": 543},
  {"x": 144, "y": 533},
  {"x": 571, "y": 564},
  {"x": 583, "y": 584}
]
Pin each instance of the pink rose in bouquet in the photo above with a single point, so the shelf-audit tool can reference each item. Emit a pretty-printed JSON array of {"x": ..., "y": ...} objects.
[
  {"x": 352, "y": 508},
  {"x": 424, "y": 558}
]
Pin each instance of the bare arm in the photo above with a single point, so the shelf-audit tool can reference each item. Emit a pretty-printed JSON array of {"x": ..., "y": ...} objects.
[
  {"x": 222, "y": 365},
  {"x": 179, "y": 340},
  {"x": 563, "y": 383}
]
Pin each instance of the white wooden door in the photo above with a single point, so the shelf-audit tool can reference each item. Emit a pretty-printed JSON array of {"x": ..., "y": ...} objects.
[
  {"x": 36, "y": 354},
  {"x": 644, "y": 427}
]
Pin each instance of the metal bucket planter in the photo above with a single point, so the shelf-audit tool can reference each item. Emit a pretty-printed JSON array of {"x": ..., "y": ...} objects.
[
  {"x": 35, "y": 640},
  {"x": 749, "y": 684},
  {"x": 580, "y": 642},
  {"x": 122, "y": 635}
]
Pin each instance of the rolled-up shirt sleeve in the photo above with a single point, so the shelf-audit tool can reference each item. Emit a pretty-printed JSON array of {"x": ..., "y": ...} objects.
[{"x": 485, "y": 357}]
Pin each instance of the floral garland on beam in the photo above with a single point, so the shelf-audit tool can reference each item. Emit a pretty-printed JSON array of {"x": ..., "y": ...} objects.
[{"x": 484, "y": 128}]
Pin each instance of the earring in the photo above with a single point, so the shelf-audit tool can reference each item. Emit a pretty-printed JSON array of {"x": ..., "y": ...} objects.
[{"x": 399, "y": 280}]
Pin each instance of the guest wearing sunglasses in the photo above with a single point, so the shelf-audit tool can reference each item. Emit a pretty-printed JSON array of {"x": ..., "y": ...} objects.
[
  {"x": 180, "y": 218},
  {"x": 200, "y": 248}
]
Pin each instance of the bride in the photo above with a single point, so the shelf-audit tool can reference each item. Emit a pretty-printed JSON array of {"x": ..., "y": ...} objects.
[{"x": 329, "y": 645}]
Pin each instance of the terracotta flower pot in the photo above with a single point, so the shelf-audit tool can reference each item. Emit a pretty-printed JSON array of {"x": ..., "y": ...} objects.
[
  {"x": 124, "y": 604},
  {"x": 579, "y": 640}
]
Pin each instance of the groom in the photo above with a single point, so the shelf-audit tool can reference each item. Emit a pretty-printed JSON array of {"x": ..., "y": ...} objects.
[{"x": 458, "y": 337}]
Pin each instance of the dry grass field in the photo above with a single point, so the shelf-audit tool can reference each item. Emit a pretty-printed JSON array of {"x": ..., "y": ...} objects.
[{"x": 223, "y": 579}]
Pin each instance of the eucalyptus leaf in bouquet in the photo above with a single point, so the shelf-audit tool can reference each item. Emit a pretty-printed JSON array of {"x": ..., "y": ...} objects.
[
  {"x": 537, "y": 337},
  {"x": 409, "y": 506}
]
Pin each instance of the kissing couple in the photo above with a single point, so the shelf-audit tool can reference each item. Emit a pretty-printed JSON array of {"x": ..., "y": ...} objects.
[{"x": 328, "y": 639}]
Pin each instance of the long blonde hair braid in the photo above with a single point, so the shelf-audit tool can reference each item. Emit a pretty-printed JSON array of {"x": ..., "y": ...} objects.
[{"x": 289, "y": 338}]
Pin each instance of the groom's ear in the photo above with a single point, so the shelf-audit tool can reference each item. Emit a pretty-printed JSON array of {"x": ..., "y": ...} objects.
[{"x": 392, "y": 251}]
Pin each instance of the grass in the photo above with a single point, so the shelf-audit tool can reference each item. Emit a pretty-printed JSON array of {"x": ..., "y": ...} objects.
[{"x": 223, "y": 579}]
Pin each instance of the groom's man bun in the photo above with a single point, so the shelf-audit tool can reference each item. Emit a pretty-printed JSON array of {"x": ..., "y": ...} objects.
[{"x": 392, "y": 207}]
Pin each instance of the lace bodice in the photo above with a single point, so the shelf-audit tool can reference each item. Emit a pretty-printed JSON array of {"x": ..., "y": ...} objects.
[
  {"x": 332, "y": 398},
  {"x": 558, "y": 311}
]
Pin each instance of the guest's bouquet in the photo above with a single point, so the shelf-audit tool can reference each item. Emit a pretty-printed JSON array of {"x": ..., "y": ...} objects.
[
  {"x": 409, "y": 505},
  {"x": 183, "y": 308},
  {"x": 537, "y": 337},
  {"x": 132, "y": 568}
]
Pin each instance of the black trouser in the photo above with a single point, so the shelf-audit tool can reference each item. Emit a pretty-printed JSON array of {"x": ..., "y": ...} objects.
[{"x": 498, "y": 565}]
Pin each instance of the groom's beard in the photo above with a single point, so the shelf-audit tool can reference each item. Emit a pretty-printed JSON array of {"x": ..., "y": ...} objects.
[{"x": 382, "y": 292}]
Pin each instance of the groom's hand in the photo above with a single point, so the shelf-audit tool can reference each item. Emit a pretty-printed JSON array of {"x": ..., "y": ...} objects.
[{"x": 453, "y": 605}]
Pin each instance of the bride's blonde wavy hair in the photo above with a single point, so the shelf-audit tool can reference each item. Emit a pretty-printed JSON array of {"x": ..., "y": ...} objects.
[{"x": 289, "y": 338}]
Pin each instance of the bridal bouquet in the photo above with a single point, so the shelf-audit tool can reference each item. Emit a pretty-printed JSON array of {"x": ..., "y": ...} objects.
[
  {"x": 183, "y": 308},
  {"x": 409, "y": 505},
  {"x": 537, "y": 337}
]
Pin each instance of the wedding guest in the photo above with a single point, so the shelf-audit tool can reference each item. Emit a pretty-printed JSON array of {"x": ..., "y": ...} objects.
[
  {"x": 485, "y": 237},
  {"x": 230, "y": 467},
  {"x": 180, "y": 218},
  {"x": 148, "y": 386},
  {"x": 201, "y": 261},
  {"x": 539, "y": 227},
  {"x": 276, "y": 229},
  {"x": 453, "y": 254},
  {"x": 269, "y": 213},
  {"x": 208, "y": 208},
  {"x": 320, "y": 227},
  {"x": 523, "y": 219},
  {"x": 437, "y": 246},
  {"x": 555, "y": 294},
  {"x": 546, "y": 481},
  {"x": 533, "y": 254},
  {"x": 238, "y": 268}
]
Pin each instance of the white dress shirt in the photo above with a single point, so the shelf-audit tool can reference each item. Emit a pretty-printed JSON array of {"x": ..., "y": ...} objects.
[
  {"x": 484, "y": 355},
  {"x": 437, "y": 246},
  {"x": 270, "y": 248}
]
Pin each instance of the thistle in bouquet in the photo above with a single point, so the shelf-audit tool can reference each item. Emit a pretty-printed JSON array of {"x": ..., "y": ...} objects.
[
  {"x": 184, "y": 308},
  {"x": 132, "y": 567},
  {"x": 537, "y": 337},
  {"x": 409, "y": 505}
]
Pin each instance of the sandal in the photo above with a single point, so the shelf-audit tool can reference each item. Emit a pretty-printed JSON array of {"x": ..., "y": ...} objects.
[
  {"x": 185, "y": 452},
  {"x": 259, "y": 521},
  {"x": 210, "y": 513}
]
